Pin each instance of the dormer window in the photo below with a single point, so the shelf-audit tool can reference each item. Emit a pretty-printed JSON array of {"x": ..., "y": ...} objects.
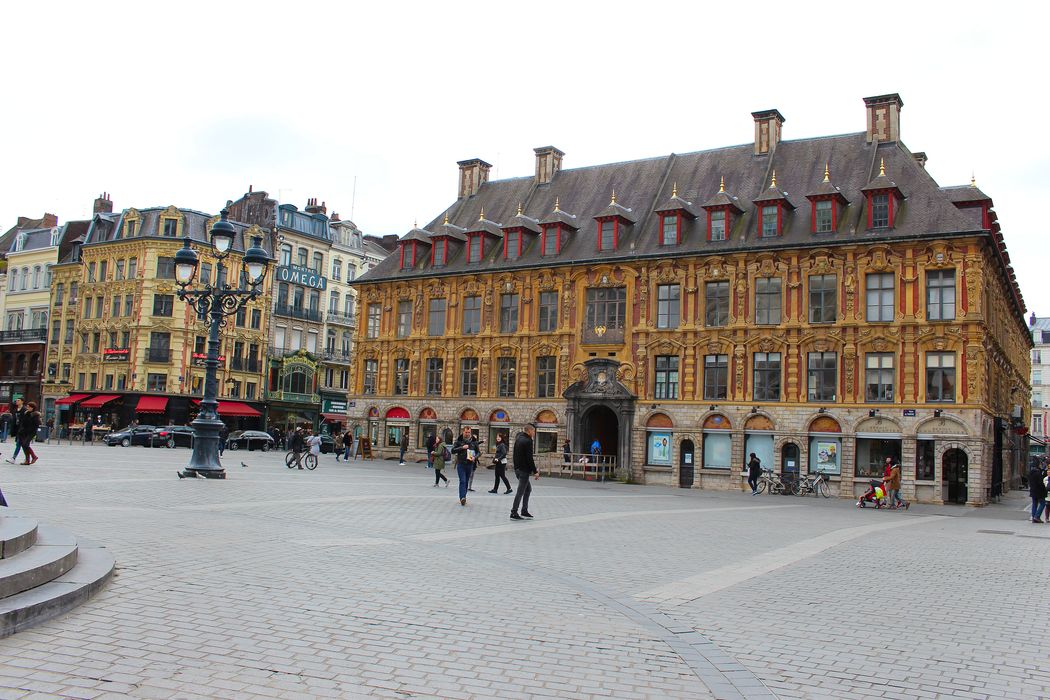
[
  {"x": 551, "y": 239},
  {"x": 475, "y": 248},
  {"x": 129, "y": 229},
  {"x": 883, "y": 196},
  {"x": 171, "y": 228},
  {"x": 512, "y": 244},
  {"x": 607, "y": 234},
  {"x": 716, "y": 225},
  {"x": 439, "y": 255},
  {"x": 823, "y": 216},
  {"x": 408, "y": 255},
  {"x": 825, "y": 202},
  {"x": 770, "y": 221},
  {"x": 879, "y": 216},
  {"x": 671, "y": 228}
]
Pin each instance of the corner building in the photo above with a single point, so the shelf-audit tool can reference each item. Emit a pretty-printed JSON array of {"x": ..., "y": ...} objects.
[{"x": 823, "y": 303}]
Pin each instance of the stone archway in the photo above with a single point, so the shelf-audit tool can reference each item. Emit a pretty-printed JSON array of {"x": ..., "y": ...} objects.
[{"x": 600, "y": 399}]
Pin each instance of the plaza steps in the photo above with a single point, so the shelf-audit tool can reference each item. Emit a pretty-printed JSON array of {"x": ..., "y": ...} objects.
[{"x": 44, "y": 572}]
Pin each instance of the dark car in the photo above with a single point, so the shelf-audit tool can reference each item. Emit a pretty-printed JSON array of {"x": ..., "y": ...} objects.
[
  {"x": 327, "y": 444},
  {"x": 249, "y": 440},
  {"x": 172, "y": 436},
  {"x": 131, "y": 435}
]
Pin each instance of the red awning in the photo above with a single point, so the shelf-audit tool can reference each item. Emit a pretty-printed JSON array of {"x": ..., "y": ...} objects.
[
  {"x": 71, "y": 399},
  {"x": 152, "y": 404},
  {"x": 99, "y": 400},
  {"x": 234, "y": 408},
  {"x": 337, "y": 417},
  {"x": 397, "y": 412}
]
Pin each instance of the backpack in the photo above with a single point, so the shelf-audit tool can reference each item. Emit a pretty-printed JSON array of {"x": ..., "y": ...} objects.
[{"x": 447, "y": 454}]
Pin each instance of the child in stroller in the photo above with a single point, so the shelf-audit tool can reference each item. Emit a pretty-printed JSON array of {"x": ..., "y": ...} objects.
[{"x": 875, "y": 494}]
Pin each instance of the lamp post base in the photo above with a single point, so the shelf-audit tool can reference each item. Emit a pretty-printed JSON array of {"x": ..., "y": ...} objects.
[
  {"x": 205, "y": 473},
  {"x": 204, "y": 460}
]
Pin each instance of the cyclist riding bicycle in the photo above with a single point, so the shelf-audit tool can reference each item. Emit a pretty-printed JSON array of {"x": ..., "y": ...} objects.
[{"x": 298, "y": 445}]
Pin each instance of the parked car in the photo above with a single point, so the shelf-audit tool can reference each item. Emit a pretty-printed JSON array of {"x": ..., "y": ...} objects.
[
  {"x": 172, "y": 436},
  {"x": 249, "y": 440},
  {"x": 327, "y": 444},
  {"x": 131, "y": 435}
]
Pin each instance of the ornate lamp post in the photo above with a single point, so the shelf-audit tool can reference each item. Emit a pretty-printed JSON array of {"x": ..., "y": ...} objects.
[{"x": 215, "y": 304}]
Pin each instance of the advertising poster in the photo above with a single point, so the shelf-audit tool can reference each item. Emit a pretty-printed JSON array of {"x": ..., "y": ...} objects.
[
  {"x": 827, "y": 456},
  {"x": 660, "y": 448}
]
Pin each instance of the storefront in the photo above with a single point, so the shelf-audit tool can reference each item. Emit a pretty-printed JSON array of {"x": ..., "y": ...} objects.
[
  {"x": 758, "y": 439},
  {"x": 717, "y": 443},
  {"x": 546, "y": 432},
  {"x": 499, "y": 424},
  {"x": 427, "y": 426},
  {"x": 469, "y": 419},
  {"x": 825, "y": 446},
  {"x": 333, "y": 415},
  {"x": 397, "y": 423},
  {"x": 659, "y": 436}
]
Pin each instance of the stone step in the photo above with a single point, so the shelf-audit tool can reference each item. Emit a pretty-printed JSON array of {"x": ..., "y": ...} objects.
[
  {"x": 94, "y": 567},
  {"x": 17, "y": 534},
  {"x": 52, "y": 555}
]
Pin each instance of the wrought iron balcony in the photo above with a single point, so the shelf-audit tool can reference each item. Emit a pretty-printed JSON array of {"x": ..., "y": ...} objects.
[
  {"x": 336, "y": 356},
  {"x": 293, "y": 397},
  {"x": 299, "y": 312},
  {"x": 24, "y": 335},
  {"x": 601, "y": 335},
  {"x": 341, "y": 319}
]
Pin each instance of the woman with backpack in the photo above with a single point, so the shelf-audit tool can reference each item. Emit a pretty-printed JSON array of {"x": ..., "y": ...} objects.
[{"x": 439, "y": 456}]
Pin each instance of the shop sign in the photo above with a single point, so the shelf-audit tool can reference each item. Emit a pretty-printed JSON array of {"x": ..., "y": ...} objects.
[
  {"x": 333, "y": 406},
  {"x": 116, "y": 354},
  {"x": 199, "y": 359},
  {"x": 302, "y": 276}
]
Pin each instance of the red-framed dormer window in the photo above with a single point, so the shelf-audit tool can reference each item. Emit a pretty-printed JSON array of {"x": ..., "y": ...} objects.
[
  {"x": 880, "y": 209},
  {"x": 551, "y": 240},
  {"x": 770, "y": 220},
  {"x": 824, "y": 213},
  {"x": 512, "y": 244},
  {"x": 718, "y": 224},
  {"x": 671, "y": 228},
  {"x": 408, "y": 255},
  {"x": 475, "y": 247},
  {"x": 608, "y": 234},
  {"x": 439, "y": 254}
]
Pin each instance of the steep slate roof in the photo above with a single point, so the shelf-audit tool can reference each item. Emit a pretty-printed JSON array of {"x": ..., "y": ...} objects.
[
  {"x": 7, "y": 239},
  {"x": 195, "y": 224},
  {"x": 642, "y": 185}
]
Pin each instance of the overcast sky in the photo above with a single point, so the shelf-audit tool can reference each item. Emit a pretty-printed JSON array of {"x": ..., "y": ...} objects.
[{"x": 189, "y": 103}]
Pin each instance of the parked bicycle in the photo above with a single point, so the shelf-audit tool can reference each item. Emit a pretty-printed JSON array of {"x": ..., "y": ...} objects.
[
  {"x": 309, "y": 460},
  {"x": 772, "y": 481},
  {"x": 817, "y": 485}
]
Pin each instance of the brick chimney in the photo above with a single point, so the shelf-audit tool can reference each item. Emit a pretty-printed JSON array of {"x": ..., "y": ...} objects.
[
  {"x": 884, "y": 117},
  {"x": 50, "y": 220},
  {"x": 768, "y": 124},
  {"x": 473, "y": 174},
  {"x": 312, "y": 207},
  {"x": 548, "y": 162},
  {"x": 103, "y": 204}
]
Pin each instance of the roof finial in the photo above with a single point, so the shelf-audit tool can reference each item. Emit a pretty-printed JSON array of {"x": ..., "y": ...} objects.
[
  {"x": 882, "y": 167},
  {"x": 674, "y": 189},
  {"x": 519, "y": 208},
  {"x": 557, "y": 204},
  {"x": 827, "y": 173},
  {"x": 446, "y": 218},
  {"x": 481, "y": 216},
  {"x": 613, "y": 200},
  {"x": 773, "y": 181},
  {"x": 415, "y": 223},
  {"x": 973, "y": 180},
  {"x": 722, "y": 185}
]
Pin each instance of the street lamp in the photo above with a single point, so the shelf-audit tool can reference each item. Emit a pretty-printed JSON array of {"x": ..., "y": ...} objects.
[{"x": 215, "y": 304}]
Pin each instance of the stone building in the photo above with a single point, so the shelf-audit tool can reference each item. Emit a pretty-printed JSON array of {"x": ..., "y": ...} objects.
[
  {"x": 1038, "y": 428},
  {"x": 822, "y": 302},
  {"x": 130, "y": 349}
]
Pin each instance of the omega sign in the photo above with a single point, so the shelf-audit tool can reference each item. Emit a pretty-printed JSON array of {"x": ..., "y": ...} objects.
[{"x": 301, "y": 276}]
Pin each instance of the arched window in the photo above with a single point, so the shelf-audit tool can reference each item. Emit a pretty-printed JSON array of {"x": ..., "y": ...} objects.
[
  {"x": 337, "y": 269},
  {"x": 346, "y": 342},
  {"x": 25, "y": 277},
  {"x": 36, "y": 277},
  {"x": 34, "y": 363},
  {"x": 296, "y": 381},
  {"x": 21, "y": 365},
  {"x": 12, "y": 283}
]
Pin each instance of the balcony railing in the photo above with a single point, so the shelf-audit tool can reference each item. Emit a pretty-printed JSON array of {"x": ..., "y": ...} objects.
[
  {"x": 158, "y": 354},
  {"x": 293, "y": 397},
  {"x": 336, "y": 356},
  {"x": 298, "y": 312},
  {"x": 341, "y": 319},
  {"x": 24, "y": 335},
  {"x": 244, "y": 364},
  {"x": 602, "y": 336}
]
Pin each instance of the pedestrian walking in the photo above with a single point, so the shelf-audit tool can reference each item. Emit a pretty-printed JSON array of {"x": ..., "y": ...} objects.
[
  {"x": 1038, "y": 491},
  {"x": 596, "y": 449},
  {"x": 27, "y": 427},
  {"x": 313, "y": 442},
  {"x": 524, "y": 467},
  {"x": 754, "y": 470},
  {"x": 438, "y": 457},
  {"x": 348, "y": 445},
  {"x": 566, "y": 451},
  {"x": 5, "y": 424},
  {"x": 893, "y": 487},
  {"x": 89, "y": 426},
  {"x": 404, "y": 446},
  {"x": 466, "y": 450},
  {"x": 297, "y": 444},
  {"x": 431, "y": 441},
  {"x": 17, "y": 412},
  {"x": 224, "y": 434},
  {"x": 499, "y": 463}
]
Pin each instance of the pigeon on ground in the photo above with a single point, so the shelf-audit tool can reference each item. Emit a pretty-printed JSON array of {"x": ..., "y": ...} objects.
[{"x": 244, "y": 465}]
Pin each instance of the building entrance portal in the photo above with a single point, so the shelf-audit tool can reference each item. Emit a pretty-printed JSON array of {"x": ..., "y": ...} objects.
[
  {"x": 599, "y": 406},
  {"x": 955, "y": 473}
]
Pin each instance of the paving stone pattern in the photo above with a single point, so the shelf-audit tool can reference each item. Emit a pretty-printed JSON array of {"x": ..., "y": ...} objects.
[{"x": 363, "y": 580}]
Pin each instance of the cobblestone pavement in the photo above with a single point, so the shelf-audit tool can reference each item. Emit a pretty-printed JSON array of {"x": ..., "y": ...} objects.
[{"x": 363, "y": 580}]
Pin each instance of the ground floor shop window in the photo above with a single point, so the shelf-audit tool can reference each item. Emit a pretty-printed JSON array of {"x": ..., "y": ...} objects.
[
  {"x": 872, "y": 454},
  {"x": 394, "y": 433},
  {"x": 825, "y": 455},
  {"x": 658, "y": 450},
  {"x": 495, "y": 430},
  {"x": 424, "y": 432},
  {"x": 762, "y": 446},
  {"x": 718, "y": 448},
  {"x": 546, "y": 441},
  {"x": 924, "y": 460}
]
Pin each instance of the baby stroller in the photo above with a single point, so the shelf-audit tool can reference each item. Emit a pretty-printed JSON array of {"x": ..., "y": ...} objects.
[{"x": 874, "y": 495}]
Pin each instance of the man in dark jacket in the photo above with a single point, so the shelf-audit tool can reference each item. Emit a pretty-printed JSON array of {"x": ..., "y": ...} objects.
[
  {"x": 466, "y": 450},
  {"x": 431, "y": 441},
  {"x": 1037, "y": 490},
  {"x": 524, "y": 467},
  {"x": 297, "y": 444}
]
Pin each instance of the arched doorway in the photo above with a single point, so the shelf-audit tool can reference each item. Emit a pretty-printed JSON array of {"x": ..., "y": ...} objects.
[
  {"x": 954, "y": 468},
  {"x": 685, "y": 466},
  {"x": 601, "y": 423}
]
